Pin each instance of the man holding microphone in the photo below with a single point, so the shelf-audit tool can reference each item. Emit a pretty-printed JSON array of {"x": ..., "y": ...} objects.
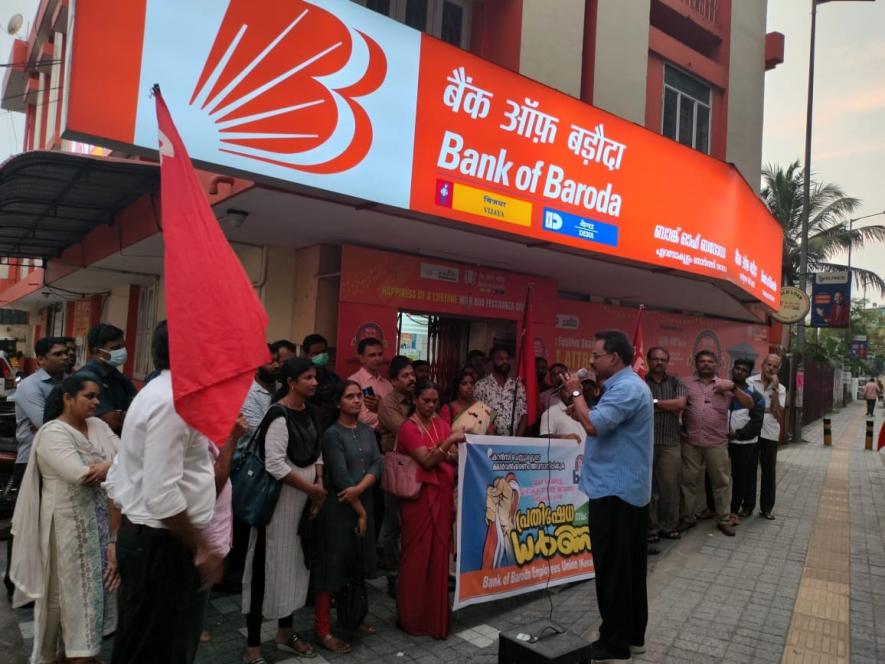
[{"x": 616, "y": 476}]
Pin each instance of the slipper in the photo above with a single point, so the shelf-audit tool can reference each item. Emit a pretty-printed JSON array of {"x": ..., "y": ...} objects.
[
  {"x": 367, "y": 629},
  {"x": 653, "y": 538},
  {"x": 257, "y": 660},
  {"x": 767, "y": 515},
  {"x": 291, "y": 645},
  {"x": 672, "y": 535},
  {"x": 335, "y": 645}
]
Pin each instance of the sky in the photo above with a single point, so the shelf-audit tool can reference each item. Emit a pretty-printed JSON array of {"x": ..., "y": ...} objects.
[
  {"x": 848, "y": 143},
  {"x": 848, "y": 146}
]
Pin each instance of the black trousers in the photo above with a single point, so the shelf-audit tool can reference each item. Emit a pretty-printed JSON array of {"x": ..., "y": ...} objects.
[
  {"x": 235, "y": 562},
  {"x": 159, "y": 604},
  {"x": 620, "y": 553},
  {"x": 871, "y": 407},
  {"x": 744, "y": 459},
  {"x": 768, "y": 462}
]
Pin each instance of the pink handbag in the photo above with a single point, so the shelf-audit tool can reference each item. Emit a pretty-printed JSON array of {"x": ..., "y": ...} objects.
[{"x": 399, "y": 474}]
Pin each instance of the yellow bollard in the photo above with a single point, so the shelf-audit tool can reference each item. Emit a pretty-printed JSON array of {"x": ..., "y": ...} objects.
[
  {"x": 828, "y": 432},
  {"x": 868, "y": 444}
]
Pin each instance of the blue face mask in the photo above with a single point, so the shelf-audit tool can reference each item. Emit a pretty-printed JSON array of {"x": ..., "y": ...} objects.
[
  {"x": 116, "y": 357},
  {"x": 320, "y": 359}
]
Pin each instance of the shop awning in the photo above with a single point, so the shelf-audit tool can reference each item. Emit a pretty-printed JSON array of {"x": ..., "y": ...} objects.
[{"x": 51, "y": 200}]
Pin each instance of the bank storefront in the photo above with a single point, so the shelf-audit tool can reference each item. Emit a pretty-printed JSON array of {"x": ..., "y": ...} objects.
[{"x": 376, "y": 180}]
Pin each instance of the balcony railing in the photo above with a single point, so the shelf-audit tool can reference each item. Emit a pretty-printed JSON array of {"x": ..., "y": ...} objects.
[{"x": 709, "y": 9}]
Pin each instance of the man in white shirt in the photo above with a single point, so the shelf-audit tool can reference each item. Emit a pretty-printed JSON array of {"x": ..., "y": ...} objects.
[
  {"x": 260, "y": 395},
  {"x": 557, "y": 423},
  {"x": 775, "y": 394},
  {"x": 161, "y": 491},
  {"x": 503, "y": 394}
]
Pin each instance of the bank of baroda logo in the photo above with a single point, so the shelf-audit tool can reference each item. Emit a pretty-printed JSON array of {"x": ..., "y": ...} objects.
[{"x": 282, "y": 84}]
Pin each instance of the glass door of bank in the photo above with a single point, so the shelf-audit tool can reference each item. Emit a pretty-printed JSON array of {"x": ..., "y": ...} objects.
[{"x": 444, "y": 341}]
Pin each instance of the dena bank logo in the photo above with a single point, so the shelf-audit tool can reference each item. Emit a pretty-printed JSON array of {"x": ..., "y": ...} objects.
[
  {"x": 552, "y": 220},
  {"x": 283, "y": 85}
]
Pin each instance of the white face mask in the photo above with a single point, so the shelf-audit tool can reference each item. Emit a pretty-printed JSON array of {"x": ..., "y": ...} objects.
[{"x": 116, "y": 357}]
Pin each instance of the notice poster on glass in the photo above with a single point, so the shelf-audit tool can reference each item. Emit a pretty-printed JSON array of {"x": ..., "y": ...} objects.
[
  {"x": 831, "y": 299},
  {"x": 522, "y": 521}
]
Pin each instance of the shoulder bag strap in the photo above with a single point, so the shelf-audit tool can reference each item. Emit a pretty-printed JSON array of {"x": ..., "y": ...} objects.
[{"x": 257, "y": 441}]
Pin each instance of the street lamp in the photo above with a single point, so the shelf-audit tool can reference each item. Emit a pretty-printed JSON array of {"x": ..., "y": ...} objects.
[
  {"x": 799, "y": 384},
  {"x": 851, "y": 228}
]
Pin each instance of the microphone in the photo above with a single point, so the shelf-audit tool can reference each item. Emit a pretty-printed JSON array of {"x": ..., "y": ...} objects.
[{"x": 582, "y": 374}]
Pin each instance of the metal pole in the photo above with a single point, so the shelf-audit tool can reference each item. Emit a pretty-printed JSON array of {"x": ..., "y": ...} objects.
[
  {"x": 803, "y": 247},
  {"x": 850, "y": 284}
]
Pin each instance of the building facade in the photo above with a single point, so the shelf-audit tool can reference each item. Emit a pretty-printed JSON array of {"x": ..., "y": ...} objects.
[{"x": 84, "y": 240}]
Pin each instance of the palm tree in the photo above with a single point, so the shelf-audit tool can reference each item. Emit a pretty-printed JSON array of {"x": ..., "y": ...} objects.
[{"x": 828, "y": 233}]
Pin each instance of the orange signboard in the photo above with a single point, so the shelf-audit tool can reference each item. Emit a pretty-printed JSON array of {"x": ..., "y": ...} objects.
[
  {"x": 495, "y": 149},
  {"x": 331, "y": 95}
]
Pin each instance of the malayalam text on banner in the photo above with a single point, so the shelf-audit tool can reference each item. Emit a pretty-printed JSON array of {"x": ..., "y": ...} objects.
[{"x": 522, "y": 522}]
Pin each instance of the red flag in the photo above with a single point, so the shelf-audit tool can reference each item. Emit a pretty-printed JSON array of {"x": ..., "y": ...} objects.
[
  {"x": 216, "y": 322},
  {"x": 526, "y": 362},
  {"x": 639, "y": 347}
]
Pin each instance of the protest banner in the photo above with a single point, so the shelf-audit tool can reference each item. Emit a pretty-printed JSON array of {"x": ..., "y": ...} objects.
[{"x": 522, "y": 521}]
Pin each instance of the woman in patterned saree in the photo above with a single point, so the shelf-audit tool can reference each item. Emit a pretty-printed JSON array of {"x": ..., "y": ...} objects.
[{"x": 61, "y": 557}]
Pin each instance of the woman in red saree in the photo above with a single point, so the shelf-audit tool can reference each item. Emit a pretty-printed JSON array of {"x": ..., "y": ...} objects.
[{"x": 422, "y": 601}]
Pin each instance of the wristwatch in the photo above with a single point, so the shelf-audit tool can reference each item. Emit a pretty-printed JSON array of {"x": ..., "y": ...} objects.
[{"x": 576, "y": 394}]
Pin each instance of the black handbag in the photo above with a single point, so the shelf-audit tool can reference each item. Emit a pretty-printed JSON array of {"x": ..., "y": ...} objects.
[
  {"x": 254, "y": 490},
  {"x": 352, "y": 601}
]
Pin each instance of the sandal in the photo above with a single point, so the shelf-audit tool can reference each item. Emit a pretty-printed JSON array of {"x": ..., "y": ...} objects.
[
  {"x": 672, "y": 535},
  {"x": 653, "y": 538},
  {"x": 367, "y": 629},
  {"x": 257, "y": 660},
  {"x": 297, "y": 646},
  {"x": 336, "y": 645}
]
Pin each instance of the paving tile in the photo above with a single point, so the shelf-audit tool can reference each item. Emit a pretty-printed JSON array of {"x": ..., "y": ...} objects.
[{"x": 808, "y": 587}]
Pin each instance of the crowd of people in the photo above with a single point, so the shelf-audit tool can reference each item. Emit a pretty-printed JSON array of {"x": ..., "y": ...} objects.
[{"x": 120, "y": 498}]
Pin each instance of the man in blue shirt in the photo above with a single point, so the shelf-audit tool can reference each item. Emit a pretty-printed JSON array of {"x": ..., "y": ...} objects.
[
  {"x": 30, "y": 397},
  {"x": 616, "y": 476}
]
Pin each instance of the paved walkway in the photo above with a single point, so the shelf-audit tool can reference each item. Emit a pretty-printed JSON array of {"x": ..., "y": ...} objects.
[{"x": 807, "y": 587}]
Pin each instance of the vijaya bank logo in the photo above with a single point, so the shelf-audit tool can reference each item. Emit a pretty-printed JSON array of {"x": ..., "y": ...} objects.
[{"x": 282, "y": 83}]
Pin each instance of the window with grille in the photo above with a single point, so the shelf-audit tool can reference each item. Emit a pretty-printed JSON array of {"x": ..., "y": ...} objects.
[
  {"x": 687, "y": 104},
  {"x": 448, "y": 20}
]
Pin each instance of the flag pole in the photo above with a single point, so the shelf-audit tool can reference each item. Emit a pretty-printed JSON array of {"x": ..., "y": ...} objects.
[{"x": 519, "y": 360}]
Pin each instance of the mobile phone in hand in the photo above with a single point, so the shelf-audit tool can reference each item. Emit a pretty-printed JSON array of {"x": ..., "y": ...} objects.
[{"x": 368, "y": 391}]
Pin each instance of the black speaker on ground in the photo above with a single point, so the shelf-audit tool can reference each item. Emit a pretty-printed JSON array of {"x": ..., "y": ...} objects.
[{"x": 547, "y": 643}]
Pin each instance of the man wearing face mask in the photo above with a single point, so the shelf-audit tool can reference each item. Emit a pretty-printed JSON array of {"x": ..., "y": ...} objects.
[
  {"x": 316, "y": 349},
  {"x": 107, "y": 350}
]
